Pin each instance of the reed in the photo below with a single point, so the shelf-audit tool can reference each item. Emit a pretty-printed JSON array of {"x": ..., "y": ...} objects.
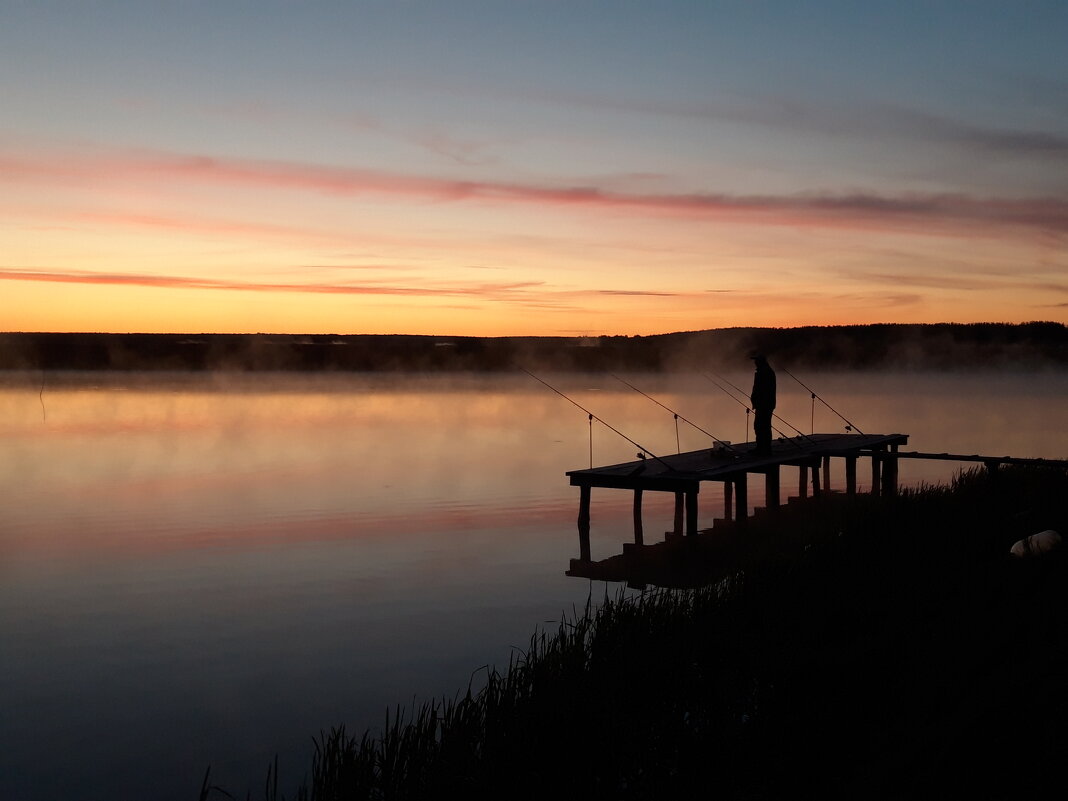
[{"x": 878, "y": 647}]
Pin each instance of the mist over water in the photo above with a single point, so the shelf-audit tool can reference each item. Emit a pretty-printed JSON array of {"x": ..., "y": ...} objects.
[{"x": 202, "y": 568}]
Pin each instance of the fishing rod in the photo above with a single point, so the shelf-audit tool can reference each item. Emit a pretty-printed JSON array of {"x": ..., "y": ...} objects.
[
  {"x": 782, "y": 420},
  {"x": 748, "y": 411},
  {"x": 726, "y": 380},
  {"x": 677, "y": 415},
  {"x": 782, "y": 434},
  {"x": 593, "y": 417},
  {"x": 815, "y": 397}
]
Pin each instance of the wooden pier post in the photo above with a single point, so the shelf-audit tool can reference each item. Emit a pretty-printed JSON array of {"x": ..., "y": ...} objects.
[
  {"x": 680, "y": 506},
  {"x": 741, "y": 499},
  {"x": 816, "y": 480},
  {"x": 728, "y": 500},
  {"x": 584, "y": 523},
  {"x": 827, "y": 473},
  {"x": 639, "y": 538},
  {"x": 771, "y": 487},
  {"x": 889, "y": 487},
  {"x": 691, "y": 513},
  {"x": 851, "y": 475},
  {"x": 876, "y": 473},
  {"x": 802, "y": 480}
]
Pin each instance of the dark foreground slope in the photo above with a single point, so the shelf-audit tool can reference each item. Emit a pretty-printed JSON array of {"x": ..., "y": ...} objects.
[
  {"x": 886, "y": 648},
  {"x": 942, "y": 346}
]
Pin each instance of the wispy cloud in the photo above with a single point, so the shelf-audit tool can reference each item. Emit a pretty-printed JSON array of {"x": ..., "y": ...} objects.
[
  {"x": 878, "y": 121},
  {"x": 455, "y": 294},
  {"x": 435, "y": 140},
  {"x": 532, "y": 296},
  {"x": 914, "y": 212},
  {"x": 886, "y": 299},
  {"x": 202, "y": 225},
  {"x": 339, "y": 243},
  {"x": 882, "y": 121},
  {"x": 637, "y": 293},
  {"x": 959, "y": 283},
  {"x": 518, "y": 290}
]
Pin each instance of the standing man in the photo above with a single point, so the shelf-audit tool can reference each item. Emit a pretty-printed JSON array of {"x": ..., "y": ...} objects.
[{"x": 763, "y": 400}]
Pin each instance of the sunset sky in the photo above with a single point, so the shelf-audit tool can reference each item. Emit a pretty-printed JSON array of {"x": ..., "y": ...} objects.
[{"x": 530, "y": 167}]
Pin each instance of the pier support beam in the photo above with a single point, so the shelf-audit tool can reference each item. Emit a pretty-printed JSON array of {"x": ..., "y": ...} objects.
[
  {"x": 816, "y": 480},
  {"x": 680, "y": 506},
  {"x": 584, "y": 523},
  {"x": 876, "y": 473},
  {"x": 827, "y": 473},
  {"x": 639, "y": 537},
  {"x": 851, "y": 475},
  {"x": 728, "y": 500},
  {"x": 889, "y": 487},
  {"x": 741, "y": 500},
  {"x": 802, "y": 480},
  {"x": 691, "y": 513},
  {"x": 771, "y": 487}
]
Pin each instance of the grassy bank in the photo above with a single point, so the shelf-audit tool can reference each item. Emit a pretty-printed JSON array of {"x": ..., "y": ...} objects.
[{"x": 878, "y": 648}]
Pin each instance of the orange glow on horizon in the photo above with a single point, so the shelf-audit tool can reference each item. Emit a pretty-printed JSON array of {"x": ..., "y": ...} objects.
[{"x": 169, "y": 244}]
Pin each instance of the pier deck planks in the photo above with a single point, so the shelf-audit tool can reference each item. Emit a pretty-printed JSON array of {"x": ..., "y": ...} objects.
[{"x": 683, "y": 472}]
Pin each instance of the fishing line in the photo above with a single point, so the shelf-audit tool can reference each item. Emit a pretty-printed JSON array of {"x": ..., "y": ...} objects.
[
  {"x": 677, "y": 415},
  {"x": 593, "y": 417},
  {"x": 815, "y": 397},
  {"x": 734, "y": 398},
  {"x": 726, "y": 380},
  {"x": 741, "y": 392},
  {"x": 782, "y": 434}
]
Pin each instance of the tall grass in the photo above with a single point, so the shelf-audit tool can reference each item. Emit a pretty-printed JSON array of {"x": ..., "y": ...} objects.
[{"x": 877, "y": 647}]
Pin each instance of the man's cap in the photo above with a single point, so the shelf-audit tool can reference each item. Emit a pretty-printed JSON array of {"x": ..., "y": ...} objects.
[{"x": 757, "y": 356}]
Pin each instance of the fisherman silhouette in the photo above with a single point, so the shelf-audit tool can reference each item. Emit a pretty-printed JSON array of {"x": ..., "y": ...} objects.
[{"x": 763, "y": 400}]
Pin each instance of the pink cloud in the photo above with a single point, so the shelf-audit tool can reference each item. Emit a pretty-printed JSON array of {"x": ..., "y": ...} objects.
[
  {"x": 501, "y": 291},
  {"x": 342, "y": 242},
  {"x": 960, "y": 283},
  {"x": 913, "y": 212},
  {"x": 525, "y": 294},
  {"x": 200, "y": 224}
]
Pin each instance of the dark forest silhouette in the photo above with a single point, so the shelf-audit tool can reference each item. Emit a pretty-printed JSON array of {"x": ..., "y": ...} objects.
[{"x": 863, "y": 347}]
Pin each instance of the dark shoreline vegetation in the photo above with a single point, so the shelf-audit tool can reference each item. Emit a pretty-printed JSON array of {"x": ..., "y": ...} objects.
[
  {"x": 865, "y": 647},
  {"x": 1036, "y": 345}
]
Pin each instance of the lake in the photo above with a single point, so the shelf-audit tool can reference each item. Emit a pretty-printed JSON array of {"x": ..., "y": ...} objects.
[{"x": 200, "y": 568}]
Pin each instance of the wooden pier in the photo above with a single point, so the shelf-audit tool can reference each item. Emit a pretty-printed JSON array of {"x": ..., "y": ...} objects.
[
  {"x": 684, "y": 473},
  {"x": 686, "y": 560}
]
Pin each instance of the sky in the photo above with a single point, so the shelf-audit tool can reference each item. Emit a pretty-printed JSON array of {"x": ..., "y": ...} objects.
[{"x": 530, "y": 167}]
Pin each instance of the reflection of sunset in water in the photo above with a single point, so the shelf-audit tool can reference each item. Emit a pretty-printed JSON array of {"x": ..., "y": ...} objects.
[{"x": 106, "y": 459}]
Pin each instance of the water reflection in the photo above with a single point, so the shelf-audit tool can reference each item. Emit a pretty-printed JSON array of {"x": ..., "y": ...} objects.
[
  {"x": 677, "y": 562},
  {"x": 201, "y": 568}
]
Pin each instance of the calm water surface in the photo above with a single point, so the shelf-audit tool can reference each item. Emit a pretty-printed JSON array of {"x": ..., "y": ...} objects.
[{"x": 211, "y": 569}]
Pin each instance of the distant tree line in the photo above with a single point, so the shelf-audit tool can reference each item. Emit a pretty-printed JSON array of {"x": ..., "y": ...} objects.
[{"x": 942, "y": 346}]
